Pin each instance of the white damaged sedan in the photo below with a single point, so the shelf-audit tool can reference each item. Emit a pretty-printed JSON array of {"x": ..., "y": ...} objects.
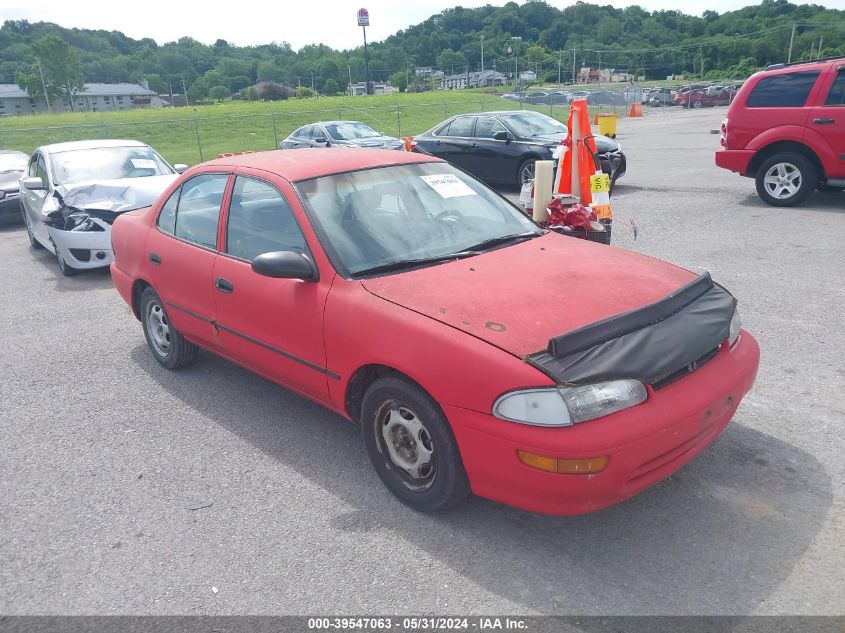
[{"x": 72, "y": 192}]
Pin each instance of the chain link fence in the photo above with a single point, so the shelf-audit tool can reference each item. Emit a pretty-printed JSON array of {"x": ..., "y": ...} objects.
[{"x": 196, "y": 139}]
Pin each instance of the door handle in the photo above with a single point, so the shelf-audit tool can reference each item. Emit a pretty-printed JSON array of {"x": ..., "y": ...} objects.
[
  {"x": 474, "y": 145},
  {"x": 223, "y": 285},
  {"x": 824, "y": 121},
  {"x": 437, "y": 142},
  {"x": 154, "y": 258}
]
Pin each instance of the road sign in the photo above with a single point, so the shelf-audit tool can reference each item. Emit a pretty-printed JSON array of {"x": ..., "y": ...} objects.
[{"x": 363, "y": 17}]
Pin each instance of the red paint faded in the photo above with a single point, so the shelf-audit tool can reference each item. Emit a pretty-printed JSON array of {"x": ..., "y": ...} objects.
[
  {"x": 457, "y": 329},
  {"x": 524, "y": 295}
]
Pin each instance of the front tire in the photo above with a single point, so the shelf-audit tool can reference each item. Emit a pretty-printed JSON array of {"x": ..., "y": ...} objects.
[
  {"x": 786, "y": 180},
  {"x": 525, "y": 171},
  {"x": 697, "y": 104},
  {"x": 411, "y": 446},
  {"x": 67, "y": 269},
  {"x": 168, "y": 346}
]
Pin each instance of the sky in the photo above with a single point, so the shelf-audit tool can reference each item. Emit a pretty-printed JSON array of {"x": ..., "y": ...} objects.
[{"x": 332, "y": 22}]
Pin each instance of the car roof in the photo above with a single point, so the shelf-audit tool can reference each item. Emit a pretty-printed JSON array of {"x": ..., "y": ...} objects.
[
  {"x": 302, "y": 165},
  {"x": 7, "y": 152},
  {"x": 97, "y": 144},
  {"x": 331, "y": 123}
]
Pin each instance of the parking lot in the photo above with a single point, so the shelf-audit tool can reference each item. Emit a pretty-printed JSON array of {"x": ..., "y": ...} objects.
[{"x": 130, "y": 489}]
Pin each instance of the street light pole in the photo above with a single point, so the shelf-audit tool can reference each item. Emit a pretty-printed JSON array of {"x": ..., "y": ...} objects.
[
  {"x": 482, "y": 55},
  {"x": 44, "y": 85}
]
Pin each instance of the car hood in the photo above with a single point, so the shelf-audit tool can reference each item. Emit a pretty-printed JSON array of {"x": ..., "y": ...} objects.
[
  {"x": 519, "y": 297},
  {"x": 115, "y": 196},
  {"x": 603, "y": 143},
  {"x": 10, "y": 181}
]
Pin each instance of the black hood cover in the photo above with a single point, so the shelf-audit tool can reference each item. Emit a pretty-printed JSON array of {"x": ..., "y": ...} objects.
[{"x": 650, "y": 344}]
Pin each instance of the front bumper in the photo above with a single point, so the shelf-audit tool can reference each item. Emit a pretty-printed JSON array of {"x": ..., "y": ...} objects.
[
  {"x": 83, "y": 250},
  {"x": 644, "y": 444},
  {"x": 736, "y": 160}
]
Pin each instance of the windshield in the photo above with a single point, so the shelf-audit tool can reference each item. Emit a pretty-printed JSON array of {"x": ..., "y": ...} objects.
[
  {"x": 13, "y": 162},
  {"x": 106, "y": 163},
  {"x": 350, "y": 131},
  {"x": 533, "y": 124},
  {"x": 408, "y": 213}
]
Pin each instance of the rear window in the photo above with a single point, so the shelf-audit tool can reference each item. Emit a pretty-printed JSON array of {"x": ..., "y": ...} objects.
[{"x": 783, "y": 91}]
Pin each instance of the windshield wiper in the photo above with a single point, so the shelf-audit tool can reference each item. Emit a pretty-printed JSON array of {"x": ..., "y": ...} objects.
[
  {"x": 503, "y": 239},
  {"x": 404, "y": 264}
]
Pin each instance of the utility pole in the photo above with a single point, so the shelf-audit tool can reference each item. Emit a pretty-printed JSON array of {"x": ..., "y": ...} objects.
[
  {"x": 791, "y": 40},
  {"x": 821, "y": 39},
  {"x": 573, "y": 66},
  {"x": 559, "y": 61},
  {"x": 43, "y": 85},
  {"x": 185, "y": 92},
  {"x": 482, "y": 55}
]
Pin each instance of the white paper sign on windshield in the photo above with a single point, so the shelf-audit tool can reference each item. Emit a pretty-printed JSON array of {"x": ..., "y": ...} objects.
[
  {"x": 143, "y": 163},
  {"x": 448, "y": 185}
]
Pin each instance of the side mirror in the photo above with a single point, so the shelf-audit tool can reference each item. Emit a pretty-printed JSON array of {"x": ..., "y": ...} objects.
[
  {"x": 33, "y": 183},
  {"x": 501, "y": 136},
  {"x": 285, "y": 265},
  {"x": 322, "y": 139},
  {"x": 180, "y": 167},
  {"x": 2, "y": 194}
]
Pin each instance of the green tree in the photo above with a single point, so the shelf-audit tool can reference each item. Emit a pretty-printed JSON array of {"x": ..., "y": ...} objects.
[
  {"x": 268, "y": 70},
  {"x": 250, "y": 94},
  {"x": 156, "y": 83},
  {"x": 219, "y": 93},
  {"x": 536, "y": 54},
  {"x": 331, "y": 87},
  {"x": 58, "y": 63},
  {"x": 399, "y": 80},
  {"x": 304, "y": 93},
  {"x": 198, "y": 90}
]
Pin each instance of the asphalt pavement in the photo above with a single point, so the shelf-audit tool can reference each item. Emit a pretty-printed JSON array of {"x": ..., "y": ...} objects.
[{"x": 125, "y": 488}]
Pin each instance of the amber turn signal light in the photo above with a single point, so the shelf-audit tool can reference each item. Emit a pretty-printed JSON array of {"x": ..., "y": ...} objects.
[{"x": 563, "y": 465}]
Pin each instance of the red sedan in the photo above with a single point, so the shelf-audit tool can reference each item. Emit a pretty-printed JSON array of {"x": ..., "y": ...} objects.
[{"x": 477, "y": 351}]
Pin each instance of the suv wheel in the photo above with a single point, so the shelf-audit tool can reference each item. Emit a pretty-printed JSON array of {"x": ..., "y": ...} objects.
[
  {"x": 786, "y": 180},
  {"x": 697, "y": 104}
]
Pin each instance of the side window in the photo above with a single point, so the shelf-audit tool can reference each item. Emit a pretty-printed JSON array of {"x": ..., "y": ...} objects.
[
  {"x": 41, "y": 170},
  {"x": 199, "y": 209},
  {"x": 462, "y": 126},
  {"x": 167, "y": 216},
  {"x": 788, "y": 90},
  {"x": 33, "y": 163},
  {"x": 303, "y": 132},
  {"x": 836, "y": 96},
  {"x": 260, "y": 221},
  {"x": 487, "y": 126}
]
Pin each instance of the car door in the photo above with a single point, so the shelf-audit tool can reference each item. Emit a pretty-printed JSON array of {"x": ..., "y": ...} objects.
[
  {"x": 181, "y": 250},
  {"x": 34, "y": 199},
  {"x": 489, "y": 158},
  {"x": 274, "y": 326},
  {"x": 827, "y": 121},
  {"x": 300, "y": 138},
  {"x": 453, "y": 142}
]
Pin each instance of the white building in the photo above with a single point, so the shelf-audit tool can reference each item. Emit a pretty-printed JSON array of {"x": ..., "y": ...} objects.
[
  {"x": 95, "y": 98},
  {"x": 473, "y": 80},
  {"x": 527, "y": 75},
  {"x": 379, "y": 88}
]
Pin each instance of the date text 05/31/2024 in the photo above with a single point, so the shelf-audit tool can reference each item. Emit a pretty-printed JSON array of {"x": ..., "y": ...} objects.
[{"x": 429, "y": 623}]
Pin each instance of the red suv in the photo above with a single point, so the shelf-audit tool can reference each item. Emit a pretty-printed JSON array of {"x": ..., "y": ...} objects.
[{"x": 786, "y": 129}]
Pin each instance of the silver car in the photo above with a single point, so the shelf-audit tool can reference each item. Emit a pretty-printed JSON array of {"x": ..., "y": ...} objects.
[
  {"x": 339, "y": 134},
  {"x": 72, "y": 192}
]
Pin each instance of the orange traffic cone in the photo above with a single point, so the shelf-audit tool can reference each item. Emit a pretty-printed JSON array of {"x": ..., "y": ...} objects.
[
  {"x": 636, "y": 110},
  {"x": 578, "y": 165}
]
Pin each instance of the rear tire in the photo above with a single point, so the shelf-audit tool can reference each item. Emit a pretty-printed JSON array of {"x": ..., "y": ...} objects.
[
  {"x": 411, "y": 446},
  {"x": 168, "y": 346},
  {"x": 786, "y": 180},
  {"x": 697, "y": 104}
]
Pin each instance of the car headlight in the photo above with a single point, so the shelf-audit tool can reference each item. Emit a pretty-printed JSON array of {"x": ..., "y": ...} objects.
[
  {"x": 565, "y": 406},
  {"x": 736, "y": 324}
]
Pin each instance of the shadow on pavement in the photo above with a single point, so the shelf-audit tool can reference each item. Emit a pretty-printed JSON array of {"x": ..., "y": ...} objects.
[{"x": 717, "y": 537}]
